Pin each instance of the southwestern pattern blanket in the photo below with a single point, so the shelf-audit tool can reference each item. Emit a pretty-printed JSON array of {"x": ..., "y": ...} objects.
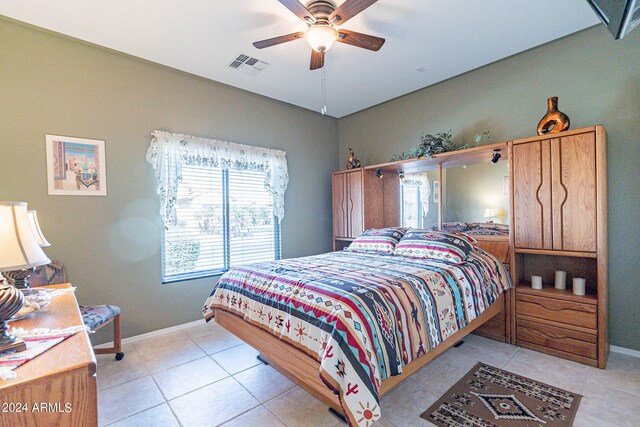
[{"x": 363, "y": 316}]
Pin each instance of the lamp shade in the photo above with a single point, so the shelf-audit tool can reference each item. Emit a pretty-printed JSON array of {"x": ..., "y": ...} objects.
[
  {"x": 19, "y": 248},
  {"x": 489, "y": 213},
  {"x": 35, "y": 228},
  {"x": 321, "y": 37}
]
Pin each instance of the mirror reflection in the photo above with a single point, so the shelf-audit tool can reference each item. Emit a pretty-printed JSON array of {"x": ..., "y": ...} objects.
[
  {"x": 420, "y": 199},
  {"x": 476, "y": 193}
]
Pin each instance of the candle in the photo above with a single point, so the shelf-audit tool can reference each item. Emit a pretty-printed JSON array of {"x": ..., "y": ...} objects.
[
  {"x": 561, "y": 279},
  {"x": 536, "y": 282},
  {"x": 579, "y": 286}
]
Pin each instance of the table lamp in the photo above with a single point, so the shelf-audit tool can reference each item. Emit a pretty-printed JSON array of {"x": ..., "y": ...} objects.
[
  {"x": 489, "y": 213},
  {"x": 19, "y": 250},
  {"x": 35, "y": 227},
  {"x": 20, "y": 276}
]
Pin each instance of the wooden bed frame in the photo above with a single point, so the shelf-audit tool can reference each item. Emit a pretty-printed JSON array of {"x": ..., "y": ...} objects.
[{"x": 303, "y": 369}]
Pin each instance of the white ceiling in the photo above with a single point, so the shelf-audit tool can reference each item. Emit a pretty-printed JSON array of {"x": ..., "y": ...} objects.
[{"x": 447, "y": 38}]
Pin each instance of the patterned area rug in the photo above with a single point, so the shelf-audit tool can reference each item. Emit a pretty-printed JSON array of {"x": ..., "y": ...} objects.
[{"x": 491, "y": 397}]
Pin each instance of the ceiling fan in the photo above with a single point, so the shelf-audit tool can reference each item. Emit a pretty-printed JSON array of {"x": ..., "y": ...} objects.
[{"x": 323, "y": 17}]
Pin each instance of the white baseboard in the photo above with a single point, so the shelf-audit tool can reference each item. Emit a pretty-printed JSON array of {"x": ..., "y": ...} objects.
[
  {"x": 154, "y": 333},
  {"x": 627, "y": 351}
]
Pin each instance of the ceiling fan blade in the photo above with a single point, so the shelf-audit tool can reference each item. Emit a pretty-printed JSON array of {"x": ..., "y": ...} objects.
[
  {"x": 348, "y": 10},
  {"x": 360, "y": 40},
  {"x": 299, "y": 10},
  {"x": 317, "y": 60},
  {"x": 278, "y": 40}
]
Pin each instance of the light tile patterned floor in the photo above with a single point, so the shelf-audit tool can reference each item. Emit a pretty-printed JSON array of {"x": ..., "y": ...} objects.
[{"x": 204, "y": 376}]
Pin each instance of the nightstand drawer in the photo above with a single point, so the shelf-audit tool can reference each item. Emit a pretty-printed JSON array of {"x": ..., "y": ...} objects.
[
  {"x": 571, "y": 313},
  {"x": 566, "y": 340}
]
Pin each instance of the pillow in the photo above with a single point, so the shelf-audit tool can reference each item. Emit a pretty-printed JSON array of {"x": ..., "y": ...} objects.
[
  {"x": 455, "y": 227},
  {"x": 440, "y": 245},
  {"x": 378, "y": 240},
  {"x": 489, "y": 228},
  {"x": 468, "y": 236}
]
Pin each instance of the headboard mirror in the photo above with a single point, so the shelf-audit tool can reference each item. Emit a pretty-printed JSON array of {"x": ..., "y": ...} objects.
[
  {"x": 476, "y": 193},
  {"x": 419, "y": 200}
]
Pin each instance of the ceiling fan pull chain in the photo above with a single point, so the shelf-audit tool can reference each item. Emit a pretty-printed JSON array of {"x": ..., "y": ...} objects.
[{"x": 324, "y": 90}]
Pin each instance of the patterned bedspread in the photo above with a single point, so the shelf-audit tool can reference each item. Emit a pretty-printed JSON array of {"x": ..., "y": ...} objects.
[{"x": 363, "y": 316}]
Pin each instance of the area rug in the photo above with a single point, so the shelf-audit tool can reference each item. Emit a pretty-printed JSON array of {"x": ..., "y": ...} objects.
[{"x": 492, "y": 397}]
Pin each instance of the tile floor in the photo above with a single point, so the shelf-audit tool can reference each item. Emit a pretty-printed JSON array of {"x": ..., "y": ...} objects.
[{"x": 205, "y": 376}]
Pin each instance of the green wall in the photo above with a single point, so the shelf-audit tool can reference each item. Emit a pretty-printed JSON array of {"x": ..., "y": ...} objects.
[
  {"x": 110, "y": 245},
  {"x": 598, "y": 82}
]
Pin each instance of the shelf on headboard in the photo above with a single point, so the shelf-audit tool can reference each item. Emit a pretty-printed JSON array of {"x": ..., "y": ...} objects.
[{"x": 479, "y": 154}]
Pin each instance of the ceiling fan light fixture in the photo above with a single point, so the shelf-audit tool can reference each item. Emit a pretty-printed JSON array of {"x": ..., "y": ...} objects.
[{"x": 321, "y": 37}]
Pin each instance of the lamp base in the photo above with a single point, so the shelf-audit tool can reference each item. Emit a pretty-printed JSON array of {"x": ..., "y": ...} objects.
[
  {"x": 11, "y": 301},
  {"x": 19, "y": 279}
]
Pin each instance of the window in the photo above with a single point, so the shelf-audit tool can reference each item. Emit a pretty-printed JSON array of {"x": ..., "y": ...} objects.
[
  {"x": 221, "y": 203},
  {"x": 411, "y": 206},
  {"x": 224, "y": 218}
]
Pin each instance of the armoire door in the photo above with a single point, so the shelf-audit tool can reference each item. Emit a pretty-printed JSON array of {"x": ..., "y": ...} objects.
[
  {"x": 532, "y": 203},
  {"x": 355, "y": 209},
  {"x": 340, "y": 205},
  {"x": 573, "y": 173}
]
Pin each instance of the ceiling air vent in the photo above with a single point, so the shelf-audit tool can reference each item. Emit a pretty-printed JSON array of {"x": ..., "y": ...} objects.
[{"x": 248, "y": 65}]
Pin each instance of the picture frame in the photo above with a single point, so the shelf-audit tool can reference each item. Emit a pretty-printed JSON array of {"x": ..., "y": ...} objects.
[
  {"x": 436, "y": 191},
  {"x": 76, "y": 166}
]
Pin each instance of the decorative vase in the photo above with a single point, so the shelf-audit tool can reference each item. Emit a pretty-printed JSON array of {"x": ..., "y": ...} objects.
[
  {"x": 352, "y": 161},
  {"x": 11, "y": 300},
  {"x": 554, "y": 121}
]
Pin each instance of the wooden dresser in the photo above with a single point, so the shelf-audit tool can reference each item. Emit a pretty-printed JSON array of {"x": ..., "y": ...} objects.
[{"x": 57, "y": 388}]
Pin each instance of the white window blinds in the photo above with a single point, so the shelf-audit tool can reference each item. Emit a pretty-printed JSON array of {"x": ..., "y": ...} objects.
[{"x": 221, "y": 205}]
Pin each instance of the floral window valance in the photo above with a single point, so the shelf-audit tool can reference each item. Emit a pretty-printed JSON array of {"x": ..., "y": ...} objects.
[{"x": 169, "y": 152}]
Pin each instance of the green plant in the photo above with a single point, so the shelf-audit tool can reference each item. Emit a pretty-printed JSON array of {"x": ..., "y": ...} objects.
[
  {"x": 182, "y": 255},
  {"x": 438, "y": 143},
  {"x": 429, "y": 145}
]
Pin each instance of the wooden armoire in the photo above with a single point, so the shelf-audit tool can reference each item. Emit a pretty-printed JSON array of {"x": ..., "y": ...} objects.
[
  {"x": 559, "y": 222},
  {"x": 362, "y": 200}
]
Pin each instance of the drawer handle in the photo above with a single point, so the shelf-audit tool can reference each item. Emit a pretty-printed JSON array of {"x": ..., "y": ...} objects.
[
  {"x": 571, "y": 309},
  {"x": 552, "y": 335}
]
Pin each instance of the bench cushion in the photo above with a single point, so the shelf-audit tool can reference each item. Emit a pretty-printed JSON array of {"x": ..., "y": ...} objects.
[{"x": 96, "y": 315}]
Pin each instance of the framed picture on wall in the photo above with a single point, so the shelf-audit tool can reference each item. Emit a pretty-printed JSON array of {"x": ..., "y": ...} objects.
[
  {"x": 76, "y": 166},
  {"x": 436, "y": 191}
]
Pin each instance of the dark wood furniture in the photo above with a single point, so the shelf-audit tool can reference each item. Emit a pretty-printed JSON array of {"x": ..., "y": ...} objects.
[
  {"x": 559, "y": 219},
  {"x": 64, "y": 374}
]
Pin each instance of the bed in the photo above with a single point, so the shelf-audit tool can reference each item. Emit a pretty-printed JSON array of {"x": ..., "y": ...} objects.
[{"x": 348, "y": 327}]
